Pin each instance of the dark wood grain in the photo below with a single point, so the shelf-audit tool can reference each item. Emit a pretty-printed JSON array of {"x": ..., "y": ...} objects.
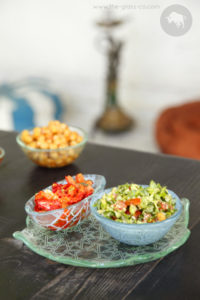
[
  {"x": 176, "y": 276},
  {"x": 96, "y": 283},
  {"x": 25, "y": 274}
]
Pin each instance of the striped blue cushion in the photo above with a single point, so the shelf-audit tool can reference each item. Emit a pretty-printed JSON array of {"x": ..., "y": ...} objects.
[{"x": 27, "y": 104}]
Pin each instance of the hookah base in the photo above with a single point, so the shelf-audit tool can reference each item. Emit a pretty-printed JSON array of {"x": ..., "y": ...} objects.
[{"x": 114, "y": 120}]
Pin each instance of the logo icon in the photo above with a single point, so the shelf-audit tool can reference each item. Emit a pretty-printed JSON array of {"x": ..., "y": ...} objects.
[{"x": 176, "y": 20}]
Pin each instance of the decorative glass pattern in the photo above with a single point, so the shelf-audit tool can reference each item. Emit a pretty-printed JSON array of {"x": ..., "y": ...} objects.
[{"x": 88, "y": 245}]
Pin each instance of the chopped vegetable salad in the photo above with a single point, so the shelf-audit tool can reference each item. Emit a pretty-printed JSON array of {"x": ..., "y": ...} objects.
[{"x": 134, "y": 204}]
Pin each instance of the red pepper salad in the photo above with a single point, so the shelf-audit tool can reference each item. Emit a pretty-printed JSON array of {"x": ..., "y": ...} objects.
[{"x": 63, "y": 195}]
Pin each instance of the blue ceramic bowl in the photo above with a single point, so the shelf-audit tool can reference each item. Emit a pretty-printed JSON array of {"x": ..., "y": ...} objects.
[{"x": 136, "y": 234}]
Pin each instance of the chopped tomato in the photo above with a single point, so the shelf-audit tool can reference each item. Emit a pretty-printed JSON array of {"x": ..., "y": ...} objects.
[
  {"x": 121, "y": 205},
  {"x": 89, "y": 182},
  {"x": 70, "y": 180},
  {"x": 164, "y": 206},
  {"x": 135, "y": 201},
  {"x": 43, "y": 195},
  {"x": 89, "y": 190},
  {"x": 80, "y": 178},
  {"x": 137, "y": 213},
  {"x": 72, "y": 190},
  {"x": 55, "y": 187},
  {"x": 63, "y": 195},
  {"x": 147, "y": 217},
  {"x": 46, "y": 205}
]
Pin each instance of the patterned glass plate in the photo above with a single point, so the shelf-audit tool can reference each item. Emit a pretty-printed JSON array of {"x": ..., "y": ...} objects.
[{"x": 88, "y": 245}]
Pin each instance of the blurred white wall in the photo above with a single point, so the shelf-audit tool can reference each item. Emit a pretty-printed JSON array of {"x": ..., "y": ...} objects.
[{"x": 56, "y": 39}]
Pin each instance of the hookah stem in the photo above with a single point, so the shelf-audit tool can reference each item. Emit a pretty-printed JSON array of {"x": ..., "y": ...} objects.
[{"x": 112, "y": 72}]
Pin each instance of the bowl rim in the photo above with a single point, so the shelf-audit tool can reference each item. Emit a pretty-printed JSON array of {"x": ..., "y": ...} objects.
[
  {"x": 2, "y": 152},
  {"x": 35, "y": 213},
  {"x": 84, "y": 135},
  {"x": 112, "y": 222}
]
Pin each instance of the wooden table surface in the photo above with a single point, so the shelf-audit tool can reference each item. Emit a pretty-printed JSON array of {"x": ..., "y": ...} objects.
[{"x": 26, "y": 275}]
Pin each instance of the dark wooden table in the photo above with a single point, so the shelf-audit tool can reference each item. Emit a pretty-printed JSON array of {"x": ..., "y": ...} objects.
[{"x": 26, "y": 275}]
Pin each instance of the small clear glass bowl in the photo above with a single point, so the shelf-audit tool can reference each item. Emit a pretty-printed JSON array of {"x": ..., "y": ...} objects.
[
  {"x": 60, "y": 219},
  {"x": 136, "y": 234},
  {"x": 2, "y": 154},
  {"x": 54, "y": 158}
]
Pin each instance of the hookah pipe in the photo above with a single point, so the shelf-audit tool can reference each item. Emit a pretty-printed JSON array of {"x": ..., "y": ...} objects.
[{"x": 113, "y": 118}]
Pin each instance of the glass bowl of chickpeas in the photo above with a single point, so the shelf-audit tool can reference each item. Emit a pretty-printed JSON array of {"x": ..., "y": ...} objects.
[{"x": 52, "y": 146}]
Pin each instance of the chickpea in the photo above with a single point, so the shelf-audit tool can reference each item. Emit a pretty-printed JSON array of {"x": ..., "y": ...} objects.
[
  {"x": 63, "y": 145},
  {"x": 79, "y": 139},
  {"x": 59, "y": 161},
  {"x": 24, "y": 133},
  {"x": 32, "y": 145},
  {"x": 73, "y": 143},
  {"x": 54, "y": 155},
  {"x": 41, "y": 139},
  {"x": 73, "y": 136},
  {"x": 64, "y": 127},
  {"x": 26, "y": 137},
  {"x": 57, "y": 143},
  {"x": 36, "y": 132},
  {"x": 55, "y": 137},
  {"x": 161, "y": 216},
  {"x": 53, "y": 146},
  {"x": 43, "y": 145},
  {"x": 71, "y": 152},
  {"x": 42, "y": 157},
  {"x": 67, "y": 132}
]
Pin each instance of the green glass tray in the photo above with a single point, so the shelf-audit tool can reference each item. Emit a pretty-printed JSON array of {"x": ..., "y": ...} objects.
[{"x": 88, "y": 245}]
